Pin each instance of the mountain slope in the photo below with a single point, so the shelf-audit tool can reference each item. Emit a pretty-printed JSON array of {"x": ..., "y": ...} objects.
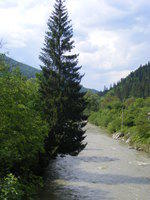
[
  {"x": 83, "y": 89},
  {"x": 26, "y": 70},
  {"x": 136, "y": 84}
]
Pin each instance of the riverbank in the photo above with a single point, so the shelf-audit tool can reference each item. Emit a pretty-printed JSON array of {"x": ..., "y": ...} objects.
[
  {"x": 128, "y": 121},
  {"x": 129, "y": 138}
]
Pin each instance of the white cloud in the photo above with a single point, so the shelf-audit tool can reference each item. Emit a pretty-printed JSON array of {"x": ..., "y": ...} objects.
[
  {"x": 22, "y": 21},
  {"x": 98, "y": 80},
  {"x": 112, "y": 36}
]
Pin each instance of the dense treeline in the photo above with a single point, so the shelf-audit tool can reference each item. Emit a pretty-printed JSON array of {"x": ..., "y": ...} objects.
[
  {"x": 42, "y": 117},
  {"x": 137, "y": 84}
]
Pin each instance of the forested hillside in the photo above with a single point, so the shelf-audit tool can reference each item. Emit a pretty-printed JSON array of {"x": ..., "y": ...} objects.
[
  {"x": 137, "y": 84},
  {"x": 83, "y": 89},
  {"x": 26, "y": 70}
]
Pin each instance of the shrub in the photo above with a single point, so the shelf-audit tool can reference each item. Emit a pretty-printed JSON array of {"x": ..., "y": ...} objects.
[{"x": 10, "y": 188}]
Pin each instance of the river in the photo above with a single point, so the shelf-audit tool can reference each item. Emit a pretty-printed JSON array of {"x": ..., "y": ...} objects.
[{"x": 106, "y": 170}]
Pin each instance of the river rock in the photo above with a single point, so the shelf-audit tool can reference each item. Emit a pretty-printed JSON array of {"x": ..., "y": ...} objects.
[
  {"x": 117, "y": 136},
  {"x": 138, "y": 148},
  {"x": 128, "y": 140}
]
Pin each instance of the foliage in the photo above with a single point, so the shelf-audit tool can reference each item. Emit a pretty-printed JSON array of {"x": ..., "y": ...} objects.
[
  {"x": 92, "y": 102},
  {"x": 11, "y": 189},
  {"x": 136, "y": 123},
  {"x": 61, "y": 99},
  {"x": 22, "y": 132}
]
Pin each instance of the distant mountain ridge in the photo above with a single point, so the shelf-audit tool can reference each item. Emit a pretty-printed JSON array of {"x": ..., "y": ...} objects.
[
  {"x": 136, "y": 84},
  {"x": 30, "y": 72},
  {"x": 89, "y": 90}
]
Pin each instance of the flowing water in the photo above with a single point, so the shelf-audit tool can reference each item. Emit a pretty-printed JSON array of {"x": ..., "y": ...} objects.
[{"x": 105, "y": 170}]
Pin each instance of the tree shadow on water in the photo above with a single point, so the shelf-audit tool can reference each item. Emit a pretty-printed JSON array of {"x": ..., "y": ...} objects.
[
  {"x": 92, "y": 149},
  {"x": 114, "y": 179},
  {"x": 58, "y": 192},
  {"x": 96, "y": 159},
  {"x": 68, "y": 169},
  {"x": 67, "y": 181}
]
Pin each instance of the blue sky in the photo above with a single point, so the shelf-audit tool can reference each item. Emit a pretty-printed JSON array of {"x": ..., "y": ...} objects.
[{"x": 112, "y": 36}]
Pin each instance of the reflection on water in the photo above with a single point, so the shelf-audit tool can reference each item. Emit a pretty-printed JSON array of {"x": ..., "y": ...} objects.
[{"x": 104, "y": 170}]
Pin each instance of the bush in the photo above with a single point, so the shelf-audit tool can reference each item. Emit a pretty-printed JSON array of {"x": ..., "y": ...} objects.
[
  {"x": 114, "y": 126},
  {"x": 136, "y": 123},
  {"x": 10, "y": 188},
  {"x": 22, "y": 135}
]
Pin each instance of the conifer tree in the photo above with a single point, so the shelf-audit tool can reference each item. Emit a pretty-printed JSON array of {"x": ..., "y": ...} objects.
[{"x": 63, "y": 103}]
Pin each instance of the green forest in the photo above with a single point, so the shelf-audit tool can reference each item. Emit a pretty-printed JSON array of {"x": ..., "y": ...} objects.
[{"x": 43, "y": 112}]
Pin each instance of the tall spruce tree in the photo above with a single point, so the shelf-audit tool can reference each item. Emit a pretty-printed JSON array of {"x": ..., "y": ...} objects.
[{"x": 63, "y": 103}]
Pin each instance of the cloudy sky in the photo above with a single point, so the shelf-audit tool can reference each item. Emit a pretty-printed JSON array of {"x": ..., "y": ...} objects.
[{"x": 112, "y": 36}]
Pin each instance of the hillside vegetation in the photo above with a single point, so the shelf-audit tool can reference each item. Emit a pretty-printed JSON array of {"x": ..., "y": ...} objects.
[
  {"x": 84, "y": 90},
  {"x": 26, "y": 70},
  {"x": 22, "y": 135},
  {"x": 136, "y": 84},
  {"x": 123, "y": 110}
]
